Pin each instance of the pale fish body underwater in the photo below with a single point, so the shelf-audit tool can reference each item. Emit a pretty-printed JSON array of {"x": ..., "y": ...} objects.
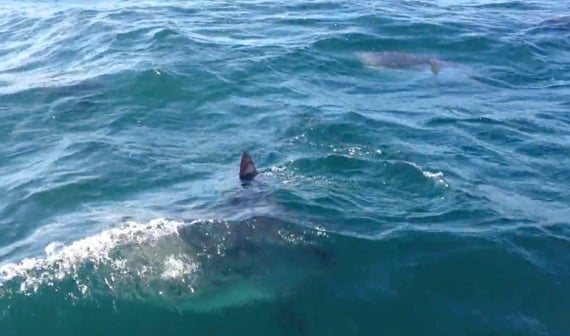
[{"x": 400, "y": 60}]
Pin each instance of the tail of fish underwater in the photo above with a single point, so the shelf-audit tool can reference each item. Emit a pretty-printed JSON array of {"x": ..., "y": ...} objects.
[{"x": 408, "y": 168}]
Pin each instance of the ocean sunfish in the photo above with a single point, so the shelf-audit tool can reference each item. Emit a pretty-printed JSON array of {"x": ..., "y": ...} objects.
[
  {"x": 259, "y": 257},
  {"x": 555, "y": 23},
  {"x": 199, "y": 265},
  {"x": 398, "y": 60}
]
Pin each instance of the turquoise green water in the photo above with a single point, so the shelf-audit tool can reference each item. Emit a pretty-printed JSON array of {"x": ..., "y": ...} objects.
[{"x": 390, "y": 201}]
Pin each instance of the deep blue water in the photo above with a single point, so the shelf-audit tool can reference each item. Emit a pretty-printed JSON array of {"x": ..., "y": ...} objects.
[{"x": 389, "y": 201}]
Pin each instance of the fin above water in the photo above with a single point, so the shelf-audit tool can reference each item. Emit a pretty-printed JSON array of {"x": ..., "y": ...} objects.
[{"x": 247, "y": 169}]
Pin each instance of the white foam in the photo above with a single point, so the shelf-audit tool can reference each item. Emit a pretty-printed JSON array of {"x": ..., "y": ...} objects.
[
  {"x": 436, "y": 177},
  {"x": 349, "y": 150},
  {"x": 176, "y": 267},
  {"x": 61, "y": 261}
]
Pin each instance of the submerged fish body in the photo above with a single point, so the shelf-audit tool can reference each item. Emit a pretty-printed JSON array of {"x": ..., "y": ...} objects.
[
  {"x": 556, "y": 23},
  {"x": 258, "y": 254},
  {"x": 261, "y": 258},
  {"x": 199, "y": 265},
  {"x": 399, "y": 60},
  {"x": 257, "y": 257}
]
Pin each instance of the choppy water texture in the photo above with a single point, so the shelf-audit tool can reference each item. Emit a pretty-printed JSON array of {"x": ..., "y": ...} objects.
[{"x": 391, "y": 201}]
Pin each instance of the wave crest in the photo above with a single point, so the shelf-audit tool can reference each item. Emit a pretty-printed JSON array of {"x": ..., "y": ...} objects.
[{"x": 105, "y": 261}]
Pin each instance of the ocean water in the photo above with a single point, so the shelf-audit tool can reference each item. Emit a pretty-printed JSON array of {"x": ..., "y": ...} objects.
[{"x": 389, "y": 201}]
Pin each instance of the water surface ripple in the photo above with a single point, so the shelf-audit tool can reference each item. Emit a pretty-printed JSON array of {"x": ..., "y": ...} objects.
[{"x": 441, "y": 200}]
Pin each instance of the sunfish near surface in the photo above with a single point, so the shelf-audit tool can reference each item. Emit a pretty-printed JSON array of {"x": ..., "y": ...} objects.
[
  {"x": 399, "y": 60},
  {"x": 261, "y": 257},
  {"x": 554, "y": 23},
  {"x": 199, "y": 265}
]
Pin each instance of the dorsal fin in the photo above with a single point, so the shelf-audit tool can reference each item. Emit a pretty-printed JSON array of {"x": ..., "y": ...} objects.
[{"x": 247, "y": 169}]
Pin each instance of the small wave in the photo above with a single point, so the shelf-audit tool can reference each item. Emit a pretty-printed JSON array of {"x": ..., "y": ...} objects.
[
  {"x": 436, "y": 177},
  {"x": 514, "y": 5},
  {"x": 407, "y": 172},
  {"x": 112, "y": 249}
]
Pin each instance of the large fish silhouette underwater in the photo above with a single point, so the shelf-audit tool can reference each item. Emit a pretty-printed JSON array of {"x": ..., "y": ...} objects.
[
  {"x": 198, "y": 265},
  {"x": 261, "y": 257},
  {"x": 396, "y": 60}
]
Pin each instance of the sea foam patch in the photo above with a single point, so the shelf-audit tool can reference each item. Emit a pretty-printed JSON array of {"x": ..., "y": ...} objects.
[{"x": 114, "y": 257}]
